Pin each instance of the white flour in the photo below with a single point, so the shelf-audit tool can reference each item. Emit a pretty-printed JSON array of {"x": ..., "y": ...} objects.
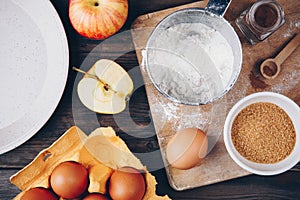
[{"x": 191, "y": 62}]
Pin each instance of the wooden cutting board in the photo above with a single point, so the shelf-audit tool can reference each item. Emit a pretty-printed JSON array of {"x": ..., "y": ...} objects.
[{"x": 168, "y": 117}]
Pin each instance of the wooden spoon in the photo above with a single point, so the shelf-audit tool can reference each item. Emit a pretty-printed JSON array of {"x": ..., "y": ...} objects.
[{"x": 270, "y": 68}]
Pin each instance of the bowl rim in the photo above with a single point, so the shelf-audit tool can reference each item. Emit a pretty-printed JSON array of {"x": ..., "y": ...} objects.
[
  {"x": 248, "y": 100},
  {"x": 219, "y": 19}
]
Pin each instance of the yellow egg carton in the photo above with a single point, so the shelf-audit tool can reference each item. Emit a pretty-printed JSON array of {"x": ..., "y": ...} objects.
[{"x": 101, "y": 153}]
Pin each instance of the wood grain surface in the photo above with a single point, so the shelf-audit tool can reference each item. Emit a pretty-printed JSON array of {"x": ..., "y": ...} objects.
[{"x": 121, "y": 48}]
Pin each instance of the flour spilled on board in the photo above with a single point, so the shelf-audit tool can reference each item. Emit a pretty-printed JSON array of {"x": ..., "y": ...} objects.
[{"x": 289, "y": 81}]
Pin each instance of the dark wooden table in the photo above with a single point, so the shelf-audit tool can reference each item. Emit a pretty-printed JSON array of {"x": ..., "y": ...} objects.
[{"x": 68, "y": 113}]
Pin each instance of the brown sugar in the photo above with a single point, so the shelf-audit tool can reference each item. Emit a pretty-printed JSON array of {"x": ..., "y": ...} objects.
[{"x": 263, "y": 133}]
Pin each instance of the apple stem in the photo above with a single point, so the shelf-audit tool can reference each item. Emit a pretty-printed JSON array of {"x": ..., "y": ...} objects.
[
  {"x": 127, "y": 98},
  {"x": 105, "y": 85}
]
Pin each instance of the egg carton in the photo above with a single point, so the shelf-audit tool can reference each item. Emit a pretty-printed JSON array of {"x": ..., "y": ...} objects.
[{"x": 102, "y": 152}]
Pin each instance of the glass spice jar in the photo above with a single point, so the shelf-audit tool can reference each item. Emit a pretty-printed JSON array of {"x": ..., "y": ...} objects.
[{"x": 260, "y": 20}]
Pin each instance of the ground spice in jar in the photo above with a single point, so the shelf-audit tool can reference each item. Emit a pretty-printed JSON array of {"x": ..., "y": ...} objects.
[
  {"x": 260, "y": 20},
  {"x": 265, "y": 16},
  {"x": 263, "y": 133}
]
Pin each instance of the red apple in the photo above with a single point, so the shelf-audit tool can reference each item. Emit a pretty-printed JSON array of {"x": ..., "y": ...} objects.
[{"x": 98, "y": 19}]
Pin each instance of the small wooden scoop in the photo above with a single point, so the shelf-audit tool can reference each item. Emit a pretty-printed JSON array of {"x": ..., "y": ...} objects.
[{"x": 270, "y": 68}]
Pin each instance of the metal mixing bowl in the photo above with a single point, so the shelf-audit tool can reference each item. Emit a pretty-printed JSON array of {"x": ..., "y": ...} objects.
[{"x": 211, "y": 16}]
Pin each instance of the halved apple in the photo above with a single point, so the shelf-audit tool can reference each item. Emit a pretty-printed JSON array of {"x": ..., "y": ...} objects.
[{"x": 107, "y": 93}]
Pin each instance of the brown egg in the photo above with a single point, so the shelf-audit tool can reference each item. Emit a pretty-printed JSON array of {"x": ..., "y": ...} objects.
[
  {"x": 69, "y": 179},
  {"x": 39, "y": 193},
  {"x": 127, "y": 183},
  {"x": 187, "y": 148},
  {"x": 95, "y": 196}
]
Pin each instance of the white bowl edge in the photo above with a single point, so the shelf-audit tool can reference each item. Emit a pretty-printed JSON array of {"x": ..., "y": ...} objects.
[{"x": 290, "y": 107}]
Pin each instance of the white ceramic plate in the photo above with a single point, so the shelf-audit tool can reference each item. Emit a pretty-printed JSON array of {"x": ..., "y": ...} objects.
[
  {"x": 34, "y": 60},
  {"x": 290, "y": 107}
]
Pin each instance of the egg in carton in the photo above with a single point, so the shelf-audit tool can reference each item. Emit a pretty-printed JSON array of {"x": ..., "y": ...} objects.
[{"x": 102, "y": 152}]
